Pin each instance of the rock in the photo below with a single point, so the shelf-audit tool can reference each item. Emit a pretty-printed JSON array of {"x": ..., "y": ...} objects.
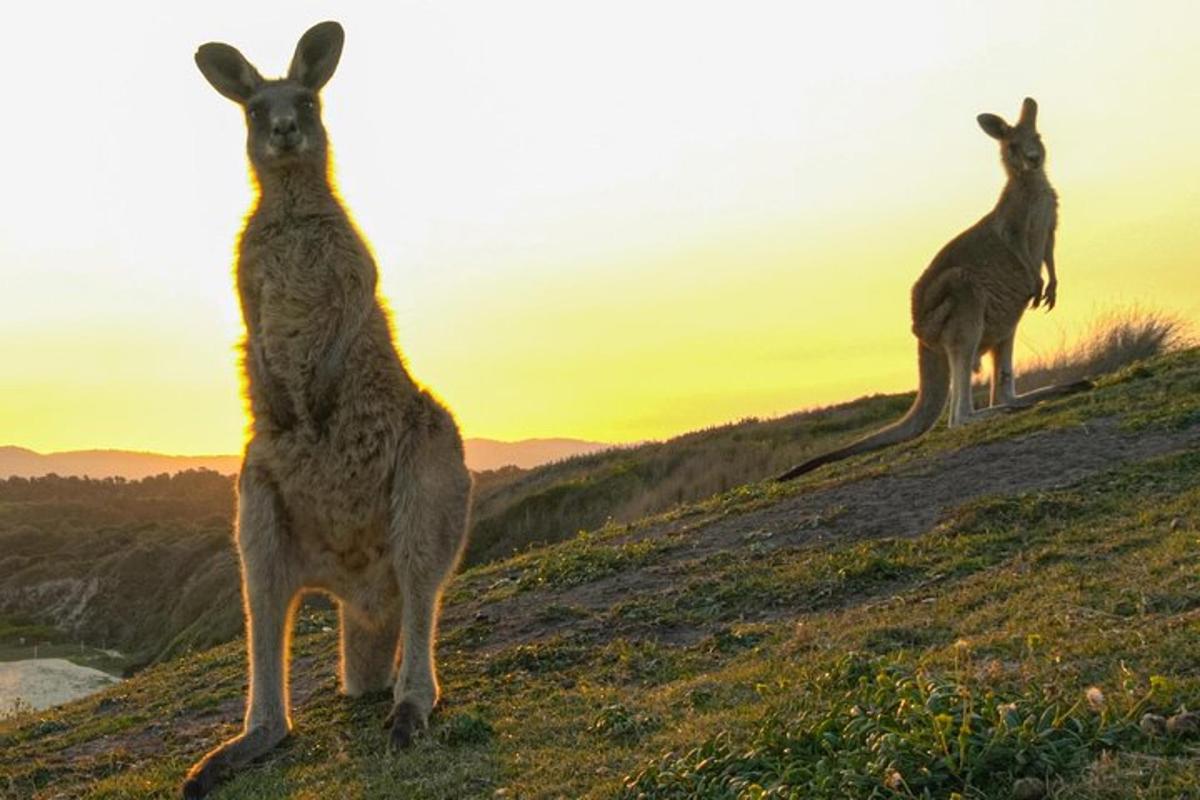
[
  {"x": 1028, "y": 789},
  {"x": 106, "y": 703},
  {"x": 1153, "y": 725},
  {"x": 1185, "y": 723}
]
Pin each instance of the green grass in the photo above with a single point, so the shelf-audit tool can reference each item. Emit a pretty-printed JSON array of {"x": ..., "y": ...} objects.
[{"x": 955, "y": 662}]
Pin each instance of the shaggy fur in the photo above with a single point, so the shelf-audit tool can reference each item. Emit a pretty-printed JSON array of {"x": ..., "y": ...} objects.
[
  {"x": 969, "y": 300},
  {"x": 353, "y": 481}
]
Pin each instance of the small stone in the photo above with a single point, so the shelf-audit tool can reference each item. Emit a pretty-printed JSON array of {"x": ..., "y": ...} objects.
[
  {"x": 106, "y": 703},
  {"x": 1028, "y": 789},
  {"x": 1153, "y": 725},
  {"x": 1185, "y": 723},
  {"x": 482, "y": 616},
  {"x": 1178, "y": 524}
]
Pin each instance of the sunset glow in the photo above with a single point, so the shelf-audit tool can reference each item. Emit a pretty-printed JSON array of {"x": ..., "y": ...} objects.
[{"x": 611, "y": 221}]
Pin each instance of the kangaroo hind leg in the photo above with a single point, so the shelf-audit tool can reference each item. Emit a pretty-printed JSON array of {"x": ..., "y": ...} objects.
[
  {"x": 1003, "y": 379},
  {"x": 269, "y": 588},
  {"x": 1004, "y": 392},
  {"x": 962, "y": 361},
  {"x": 429, "y": 528}
]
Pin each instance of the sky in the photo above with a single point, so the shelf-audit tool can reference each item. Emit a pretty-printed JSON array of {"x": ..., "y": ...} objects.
[{"x": 607, "y": 220}]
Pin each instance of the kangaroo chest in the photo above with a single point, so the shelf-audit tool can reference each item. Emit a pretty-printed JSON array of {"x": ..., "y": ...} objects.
[
  {"x": 288, "y": 296},
  {"x": 1039, "y": 220},
  {"x": 1024, "y": 221}
]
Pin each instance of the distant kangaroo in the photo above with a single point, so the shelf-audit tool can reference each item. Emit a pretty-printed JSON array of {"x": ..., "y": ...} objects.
[
  {"x": 353, "y": 480},
  {"x": 969, "y": 300}
]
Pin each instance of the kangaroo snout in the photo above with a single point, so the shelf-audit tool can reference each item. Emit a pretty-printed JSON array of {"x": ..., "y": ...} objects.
[{"x": 285, "y": 132}]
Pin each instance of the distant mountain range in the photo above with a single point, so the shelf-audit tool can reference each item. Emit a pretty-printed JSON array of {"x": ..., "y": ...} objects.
[{"x": 482, "y": 454}]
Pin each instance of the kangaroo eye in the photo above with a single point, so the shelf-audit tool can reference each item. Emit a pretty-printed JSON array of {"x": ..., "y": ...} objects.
[{"x": 307, "y": 103}]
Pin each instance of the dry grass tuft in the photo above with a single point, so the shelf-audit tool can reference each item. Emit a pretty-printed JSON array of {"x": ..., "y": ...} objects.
[{"x": 1115, "y": 340}]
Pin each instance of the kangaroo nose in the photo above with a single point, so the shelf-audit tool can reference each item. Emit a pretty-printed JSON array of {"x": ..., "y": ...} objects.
[{"x": 283, "y": 126}]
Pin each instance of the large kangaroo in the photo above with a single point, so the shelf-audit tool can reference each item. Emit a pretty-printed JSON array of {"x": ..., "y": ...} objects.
[
  {"x": 969, "y": 300},
  {"x": 353, "y": 480}
]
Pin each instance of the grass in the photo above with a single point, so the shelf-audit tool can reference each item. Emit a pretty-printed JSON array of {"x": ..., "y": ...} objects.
[
  {"x": 876, "y": 727},
  {"x": 1016, "y": 643},
  {"x": 582, "y": 559}
]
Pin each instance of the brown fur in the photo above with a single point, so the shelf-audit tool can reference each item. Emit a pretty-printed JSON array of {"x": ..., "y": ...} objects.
[
  {"x": 353, "y": 481},
  {"x": 969, "y": 300}
]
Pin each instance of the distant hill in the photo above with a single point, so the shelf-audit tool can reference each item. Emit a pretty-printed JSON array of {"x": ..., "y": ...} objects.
[
  {"x": 485, "y": 454},
  {"x": 482, "y": 454},
  {"x": 22, "y": 463}
]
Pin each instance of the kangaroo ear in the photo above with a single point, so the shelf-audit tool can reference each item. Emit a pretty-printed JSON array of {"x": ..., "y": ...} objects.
[
  {"x": 228, "y": 71},
  {"x": 993, "y": 126},
  {"x": 1028, "y": 113},
  {"x": 317, "y": 55}
]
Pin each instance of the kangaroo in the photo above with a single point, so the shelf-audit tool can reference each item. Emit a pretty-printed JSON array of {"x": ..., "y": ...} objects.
[
  {"x": 969, "y": 300},
  {"x": 353, "y": 480}
]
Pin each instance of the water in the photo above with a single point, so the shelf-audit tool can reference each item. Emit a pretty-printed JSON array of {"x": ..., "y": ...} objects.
[{"x": 38, "y": 683}]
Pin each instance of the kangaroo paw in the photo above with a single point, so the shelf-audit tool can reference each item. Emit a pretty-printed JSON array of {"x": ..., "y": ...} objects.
[
  {"x": 220, "y": 764},
  {"x": 406, "y": 722}
]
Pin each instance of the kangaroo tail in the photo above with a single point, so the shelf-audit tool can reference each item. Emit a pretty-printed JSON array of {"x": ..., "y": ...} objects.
[{"x": 932, "y": 392}]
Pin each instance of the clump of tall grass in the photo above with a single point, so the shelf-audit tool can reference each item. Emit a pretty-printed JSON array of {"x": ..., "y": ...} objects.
[{"x": 1114, "y": 340}]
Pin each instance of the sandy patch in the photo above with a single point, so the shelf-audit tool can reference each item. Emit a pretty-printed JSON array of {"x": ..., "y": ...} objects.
[{"x": 43, "y": 682}]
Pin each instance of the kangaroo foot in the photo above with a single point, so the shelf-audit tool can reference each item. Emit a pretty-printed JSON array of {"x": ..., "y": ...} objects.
[
  {"x": 220, "y": 764},
  {"x": 406, "y": 723}
]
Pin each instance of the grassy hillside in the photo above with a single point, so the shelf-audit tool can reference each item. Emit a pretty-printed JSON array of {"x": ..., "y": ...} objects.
[
  {"x": 515, "y": 509},
  {"x": 987, "y": 613}
]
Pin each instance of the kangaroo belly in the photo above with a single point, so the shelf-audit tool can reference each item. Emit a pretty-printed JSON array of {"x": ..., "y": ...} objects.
[
  {"x": 975, "y": 275},
  {"x": 293, "y": 332},
  {"x": 339, "y": 477},
  {"x": 1006, "y": 292},
  {"x": 342, "y": 476}
]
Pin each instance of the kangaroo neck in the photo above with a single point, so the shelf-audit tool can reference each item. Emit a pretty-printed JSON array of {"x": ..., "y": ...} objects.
[
  {"x": 295, "y": 191},
  {"x": 1020, "y": 193}
]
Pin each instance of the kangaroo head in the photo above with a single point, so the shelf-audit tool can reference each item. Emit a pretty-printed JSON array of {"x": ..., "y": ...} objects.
[
  {"x": 283, "y": 117},
  {"x": 1021, "y": 147}
]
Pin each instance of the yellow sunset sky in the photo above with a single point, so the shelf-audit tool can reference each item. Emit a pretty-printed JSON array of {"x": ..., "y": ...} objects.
[{"x": 607, "y": 220}]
